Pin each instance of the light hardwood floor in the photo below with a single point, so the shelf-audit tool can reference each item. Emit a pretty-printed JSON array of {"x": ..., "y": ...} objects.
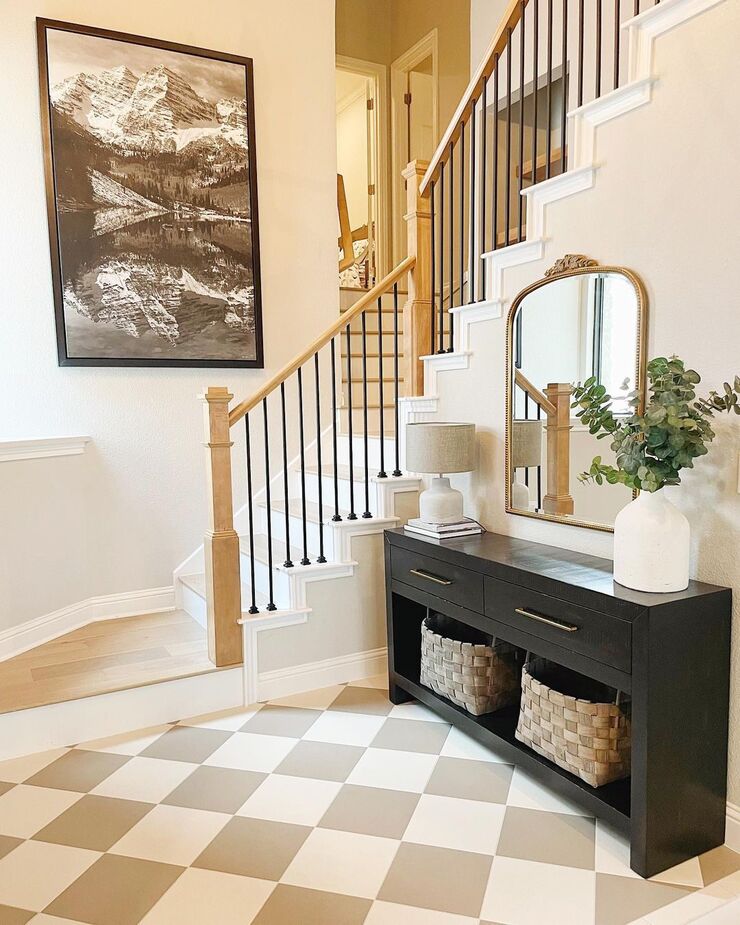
[{"x": 106, "y": 656}]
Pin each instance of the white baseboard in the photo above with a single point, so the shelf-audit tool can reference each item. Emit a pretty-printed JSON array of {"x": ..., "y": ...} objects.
[
  {"x": 18, "y": 639},
  {"x": 314, "y": 675},
  {"x": 732, "y": 830},
  {"x": 62, "y": 724}
]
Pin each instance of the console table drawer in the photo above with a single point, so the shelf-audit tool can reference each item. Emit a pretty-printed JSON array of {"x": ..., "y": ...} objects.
[
  {"x": 588, "y": 632},
  {"x": 449, "y": 582}
]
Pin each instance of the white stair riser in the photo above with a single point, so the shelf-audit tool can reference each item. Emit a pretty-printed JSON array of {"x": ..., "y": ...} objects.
[
  {"x": 312, "y": 492},
  {"x": 373, "y": 393},
  {"x": 296, "y": 530},
  {"x": 373, "y": 450},
  {"x": 193, "y": 604},
  {"x": 373, "y": 421},
  {"x": 281, "y": 585}
]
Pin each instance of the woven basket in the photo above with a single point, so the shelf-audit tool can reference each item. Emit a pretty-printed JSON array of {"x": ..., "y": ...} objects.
[
  {"x": 590, "y": 739},
  {"x": 477, "y": 676}
]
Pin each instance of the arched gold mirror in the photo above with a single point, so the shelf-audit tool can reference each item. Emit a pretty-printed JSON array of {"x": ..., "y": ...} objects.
[{"x": 580, "y": 320}]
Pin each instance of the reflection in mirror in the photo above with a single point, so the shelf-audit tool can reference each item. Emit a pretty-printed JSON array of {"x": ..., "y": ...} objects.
[{"x": 570, "y": 326}]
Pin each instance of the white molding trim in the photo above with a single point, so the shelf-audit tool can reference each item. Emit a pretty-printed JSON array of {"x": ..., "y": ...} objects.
[
  {"x": 25, "y": 636},
  {"x": 542, "y": 194},
  {"x": 314, "y": 675},
  {"x": 435, "y": 363},
  {"x": 512, "y": 256},
  {"x": 42, "y": 448},
  {"x": 732, "y": 829},
  {"x": 60, "y": 725},
  {"x": 588, "y": 117}
]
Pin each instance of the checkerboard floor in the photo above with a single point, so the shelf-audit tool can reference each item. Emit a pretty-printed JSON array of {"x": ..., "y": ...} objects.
[{"x": 329, "y": 808}]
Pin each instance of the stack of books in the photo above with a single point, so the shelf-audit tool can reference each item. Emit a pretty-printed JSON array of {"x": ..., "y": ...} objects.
[{"x": 464, "y": 527}]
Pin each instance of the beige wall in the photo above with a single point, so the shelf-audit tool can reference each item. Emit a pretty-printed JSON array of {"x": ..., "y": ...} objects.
[
  {"x": 679, "y": 232},
  {"x": 140, "y": 489},
  {"x": 363, "y": 29}
]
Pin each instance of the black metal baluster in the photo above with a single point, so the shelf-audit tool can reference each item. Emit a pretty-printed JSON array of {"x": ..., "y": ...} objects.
[
  {"x": 472, "y": 259},
  {"x": 539, "y": 470},
  {"x": 305, "y": 560},
  {"x": 352, "y": 515},
  {"x": 433, "y": 327},
  {"x": 520, "y": 204},
  {"x": 270, "y": 578},
  {"x": 507, "y": 202},
  {"x": 617, "y": 18},
  {"x": 636, "y": 7},
  {"x": 441, "y": 258},
  {"x": 253, "y": 608},
  {"x": 321, "y": 557},
  {"x": 598, "y": 49},
  {"x": 580, "y": 52},
  {"x": 288, "y": 561},
  {"x": 382, "y": 474},
  {"x": 336, "y": 516},
  {"x": 397, "y": 470},
  {"x": 366, "y": 513},
  {"x": 462, "y": 212},
  {"x": 535, "y": 84},
  {"x": 548, "y": 140},
  {"x": 494, "y": 229},
  {"x": 526, "y": 418},
  {"x": 452, "y": 233},
  {"x": 484, "y": 164},
  {"x": 565, "y": 90}
]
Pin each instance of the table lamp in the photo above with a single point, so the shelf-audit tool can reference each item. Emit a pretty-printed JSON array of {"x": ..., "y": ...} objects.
[{"x": 440, "y": 447}]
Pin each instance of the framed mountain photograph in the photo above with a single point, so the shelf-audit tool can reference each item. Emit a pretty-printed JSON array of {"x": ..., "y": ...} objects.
[{"x": 151, "y": 191}]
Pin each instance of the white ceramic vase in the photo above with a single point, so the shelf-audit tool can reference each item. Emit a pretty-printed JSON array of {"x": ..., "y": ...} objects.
[{"x": 651, "y": 545}]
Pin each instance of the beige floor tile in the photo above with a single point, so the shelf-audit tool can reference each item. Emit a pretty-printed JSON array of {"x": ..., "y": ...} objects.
[
  {"x": 686, "y": 874},
  {"x": 438, "y": 879},
  {"x": 362, "y": 700},
  {"x": 464, "y": 825},
  {"x": 342, "y": 862},
  {"x": 24, "y": 810},
  {"x": 612, "y": 851},
  {"x": 78, "y": 770},
  {"x": 246, "y": 751},
  {"x": 459, "y": 745},
  {"x": 529, "y": 793},
  {"x": 344, "y": 728},
  {"x": 115, "y": 891},
  {"x": 147, "y": 779},
  {"x": 300, "y": 800},
  {"x": 383, "y": 913},
  {"x": 412, "y": 736},
  {"x": 5, "y": 786},
  {"x": 36, "y": 872},
  {"x": 171, "y": 835},
  {"x": 320, "y": 760},
  {"x": 370, "y": 811},
  {"x": 378, "y": 681},
  {"x": 486, "y": 781},
  {"x": 689, "y": 909},
  {"x": 290, "y": 905},
  {"x": 381, "y": 767},
  {"x": 311, "y": 700},
  {"x": 718, "y": 863},
  {"x": 228, "y": 720},
  {"x": 93, "y": 822},
  {"x": 11, "y": 916},
  {"x": 187, "y": 743},
  {"x": 253, "y": 848},
  {"x": 550, "y": 838},
  {"x": 275, "y": 720},
  {"x": 219, "y": 790},
  {"x": 43, "y": 919},
  {"x": 203, "y": 896},
  {"x": 523, "y": 892},
  {"x": 8, "y": 844},
  {"x": 620, "y": 900},
  {"x": 127, "y": 743},
  {"x": 415, "y": 710},
  {"x": 17, "y": 770}
]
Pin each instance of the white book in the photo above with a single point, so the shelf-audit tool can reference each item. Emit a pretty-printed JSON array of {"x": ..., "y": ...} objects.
[
  {"x": 469, "y": 531},
  {"x": 466, "y": 523}
]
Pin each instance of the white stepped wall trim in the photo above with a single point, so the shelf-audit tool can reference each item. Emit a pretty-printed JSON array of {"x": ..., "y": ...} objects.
[
  {"x": 314, "y": 675},
  {"x": 20, "y": 638},
  {"x": 436, "y": 363},
  {"x": 612, "y": 105},
  {"x": 59, "y": 725},
  {"x": 42, "y": 448},
  {"x": 732, "y": 830},
  {"x": 411, "y": 410},
  {"x": 512, "y": 256},
  {"x": 542, "y": 194}
]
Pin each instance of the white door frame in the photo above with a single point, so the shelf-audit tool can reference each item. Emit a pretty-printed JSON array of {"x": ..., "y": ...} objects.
[
  {"x": 377, "y": 75},
  {"x": 427, "y": 46}
]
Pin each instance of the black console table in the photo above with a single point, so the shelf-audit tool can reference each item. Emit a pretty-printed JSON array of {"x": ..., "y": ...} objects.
[{"x": 669, "y": 651}]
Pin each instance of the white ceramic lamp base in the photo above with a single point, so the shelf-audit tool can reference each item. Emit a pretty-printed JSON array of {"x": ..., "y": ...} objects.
[{"x": 440, "y": 503}]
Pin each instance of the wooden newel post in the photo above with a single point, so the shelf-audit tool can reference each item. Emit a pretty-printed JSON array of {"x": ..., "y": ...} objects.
[
  {"x": 558, "y": 499},
  {"x": 221, "y": 544},
  {"x": 417, "y": 312}
]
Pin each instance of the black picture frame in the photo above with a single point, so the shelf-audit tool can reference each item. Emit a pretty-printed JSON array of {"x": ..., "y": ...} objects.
[{"x": 43, "y": 26}]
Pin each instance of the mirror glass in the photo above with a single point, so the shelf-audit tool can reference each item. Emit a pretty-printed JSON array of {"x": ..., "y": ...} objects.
[{"x": 562, "y": 330}]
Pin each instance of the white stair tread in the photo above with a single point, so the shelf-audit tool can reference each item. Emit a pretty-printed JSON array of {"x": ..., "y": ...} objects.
[
  {"x": 312, "y": 509},
  {"x": 279, "y": 550},
  {"x": 343, "y": 472},
  {"x": 197, "y": 583}
]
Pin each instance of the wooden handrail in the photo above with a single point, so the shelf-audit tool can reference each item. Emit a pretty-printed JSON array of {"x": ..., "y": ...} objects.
[
  {"x": 534, "y": 393},
  {"x": 511, "y": 17},
  {"x": 370, "y": 297}
]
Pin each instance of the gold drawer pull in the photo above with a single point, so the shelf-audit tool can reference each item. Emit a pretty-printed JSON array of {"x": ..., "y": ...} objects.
[
  {"x": 565, "y": 627},
  {"x": 430, "y": 576}
]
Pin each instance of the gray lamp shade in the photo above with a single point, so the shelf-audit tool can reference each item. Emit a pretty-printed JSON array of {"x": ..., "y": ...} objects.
[
  {"x": 526, "y": 444},
  {"x": 440, "y": 447}
]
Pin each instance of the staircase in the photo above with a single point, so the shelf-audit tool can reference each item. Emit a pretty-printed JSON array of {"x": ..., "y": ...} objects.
[{"x": 323, "y": 445}]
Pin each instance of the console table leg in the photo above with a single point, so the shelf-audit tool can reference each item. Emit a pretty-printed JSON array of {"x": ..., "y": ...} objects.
[{"x": 397, "y": 694}]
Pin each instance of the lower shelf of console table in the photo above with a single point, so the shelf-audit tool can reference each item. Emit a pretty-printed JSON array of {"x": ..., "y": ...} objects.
[{"x": 670, "y": 653}]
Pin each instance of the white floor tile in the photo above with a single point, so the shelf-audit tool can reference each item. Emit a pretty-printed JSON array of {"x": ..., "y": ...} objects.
[
  {"x": 460, "y": 745},
  {"x": 529, "y": 893},
  {"x": 201, "y": 896},
  {"x": 228, "y": 720},
  {"x": 147, "y": 779},
  {"x": 345, "y": 728},
  {"x": 311, "y": 700},
  {"x": 449, "y": 822},
  {"x": 342, "y": 862},
  {"x": 612, "y": 852},
  {"x": 37, "y": 872},
  {"x": 25, "y": 810},
  {"x": 171, "y": 834},
  {"x": 382, "y": 913},
  {"x": 378, "y": 681},
  {"x": 299, "y": 800},
  {"x": 393, "y": 770},
  {"x": 528, "y": 793},
  {"x": 126, "y": 743},
  {"x": 415, "y": 711},
  {"x": 692, "y": 909},
  {"x": 247, "y": 751}
]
